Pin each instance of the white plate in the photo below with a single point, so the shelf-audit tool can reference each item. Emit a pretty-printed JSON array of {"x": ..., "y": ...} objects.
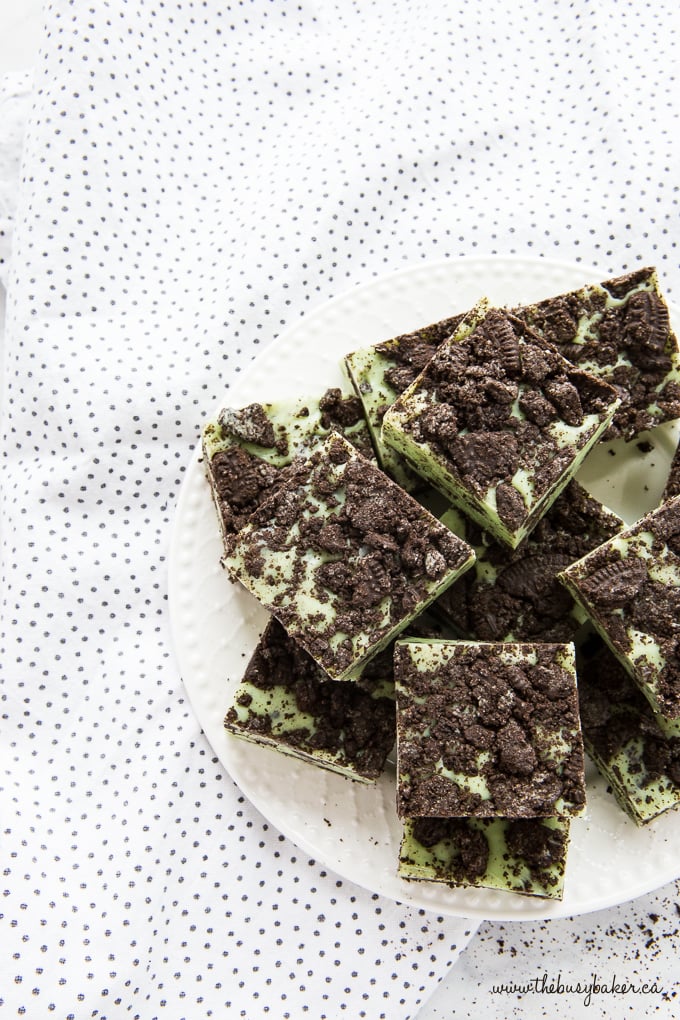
[{"x": 349, "y": 827}]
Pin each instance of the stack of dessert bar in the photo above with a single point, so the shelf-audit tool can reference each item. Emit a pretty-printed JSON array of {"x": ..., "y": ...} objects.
[
  {"x": 342, "y": 558},
  {"x": 430, "y": 566}
]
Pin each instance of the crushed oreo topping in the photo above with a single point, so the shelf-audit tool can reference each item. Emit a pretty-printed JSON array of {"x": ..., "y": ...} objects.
[
  {"x": 240, "y": 482},
  {"x": 516, "y": 594},
  {"x": 374, "y": 552},
  {"x": 410, "y": 352},
  {"x": 615, "y": 713},
  {"x": 622, "y": 591},
  {"x": 510, "y": 729},
  {"x": 339, "y": 411},
  {"x": 471, "y": 424},
  {"x": 616, "y": 583},
  {"x": 630, "y": 344},
  {"x": 250, "y": 424},
  {"x": 538, "y": 846},
  {"x": 348, "y": 720}
]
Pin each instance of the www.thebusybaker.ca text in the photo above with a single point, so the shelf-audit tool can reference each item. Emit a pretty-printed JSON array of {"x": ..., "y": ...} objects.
[{"x": 547, "y": 985}]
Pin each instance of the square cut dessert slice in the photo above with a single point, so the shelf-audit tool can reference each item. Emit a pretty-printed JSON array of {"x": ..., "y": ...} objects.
[
  {"x": 619, "y": 330},
  {"x": 629, "y": 587},
  {"x": 247, "y": 450},
  {"x": 622, "y": 736},
  {"x": 381, "y": 372},
  {"x": 520, "y": 855},
  {"x": 343, "y": 557},
  {"x": 499, "y": 422},
  {"x": 487, "y": 730},
  {"x": 515, "y": 594},
  {"x": 286, "y": 701}
]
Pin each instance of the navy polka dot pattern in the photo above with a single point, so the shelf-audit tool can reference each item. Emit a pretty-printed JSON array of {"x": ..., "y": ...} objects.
[{"x": 196, "y": 176}]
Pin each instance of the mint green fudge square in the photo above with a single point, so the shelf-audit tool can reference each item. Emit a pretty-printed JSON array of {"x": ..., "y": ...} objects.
[
  {"x": 343, "y": 557},
  {"x": 246, "y": 450},
  {"x": 286, "y": 701},
  {"x": 629, "y": 588},
  {"x": 622, "y": 736},
  {"x": 487, "y": 730},
  {"x": 520, "y": 855},
  {"x": 621, "y": 331},
  {"x": 499, "y": 422}
]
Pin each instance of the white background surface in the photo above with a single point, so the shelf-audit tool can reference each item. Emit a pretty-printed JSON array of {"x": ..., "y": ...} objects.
[
  {"x": 20, "y": 22},
  {"x": 637, "y": 941},
  {"x": 19, "y": 40}
]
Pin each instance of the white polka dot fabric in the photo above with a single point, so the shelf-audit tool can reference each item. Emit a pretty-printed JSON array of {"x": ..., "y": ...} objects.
[{"x": 197, "y": 175}]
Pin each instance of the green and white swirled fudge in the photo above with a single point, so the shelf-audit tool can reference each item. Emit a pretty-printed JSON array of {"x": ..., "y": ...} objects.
[
  {"x": 629, "y": 587},
  {"x": 520, "y": 855},
  {"x": 622, "y": 736},
  {"x": 619, "y": 330},
  {"x": 672, "y": 488},
  {"x": 515, "y": 594},
  {"x": 286, "y": 701},
  {"x": 247, "y": 450},
  {"x": 499, "y": 422},
  {"x": 487, "y": 730},
  {"x": 343, "y": 557},
  {"x": 381, "y": 372}
]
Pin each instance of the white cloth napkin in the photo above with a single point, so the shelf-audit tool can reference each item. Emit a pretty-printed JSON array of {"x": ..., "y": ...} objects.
[
  {"x": 16, "y": 94},
  {"x": 195, "y": 177}
]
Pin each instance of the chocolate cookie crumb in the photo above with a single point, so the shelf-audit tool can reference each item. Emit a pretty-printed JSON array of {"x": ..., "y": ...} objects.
[
  {"x": 366, "y": 556},
  {"x": 621, "y": 330},
  {"x": 284, "y": 699},
  {"x": 522, "y": 697},
  {"x": 497, "y": 421}
]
